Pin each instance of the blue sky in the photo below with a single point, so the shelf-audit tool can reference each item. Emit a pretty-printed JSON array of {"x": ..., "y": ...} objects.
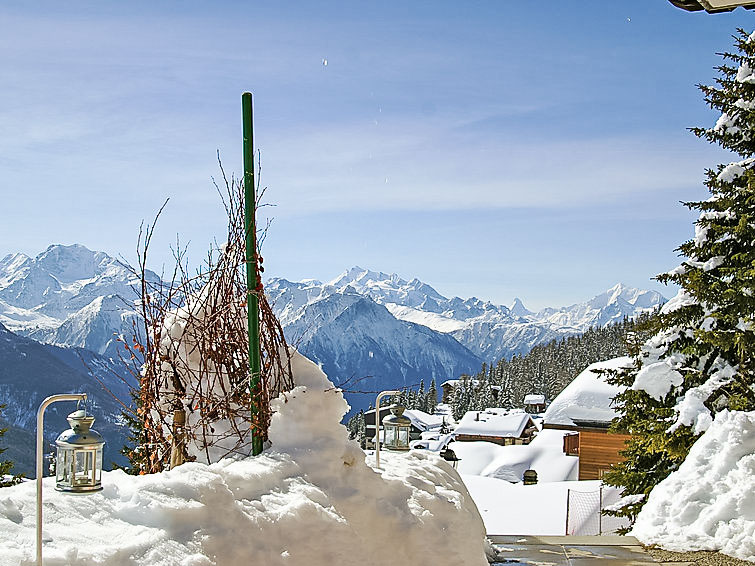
[{"x": 494, "y": 149}]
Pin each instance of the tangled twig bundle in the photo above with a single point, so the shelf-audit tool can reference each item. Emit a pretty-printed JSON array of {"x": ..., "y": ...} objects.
[{"x": 195, "y": 350}]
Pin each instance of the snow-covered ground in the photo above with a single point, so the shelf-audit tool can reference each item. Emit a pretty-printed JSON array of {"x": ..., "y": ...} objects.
[
  {"x": 709, "y": 502},
  {"x": 310, "y": 499},
  {"x": 517, "y": 509}
]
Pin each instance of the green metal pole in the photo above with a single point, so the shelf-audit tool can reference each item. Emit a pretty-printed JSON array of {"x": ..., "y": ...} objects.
[{"x": 252, "y": 282}]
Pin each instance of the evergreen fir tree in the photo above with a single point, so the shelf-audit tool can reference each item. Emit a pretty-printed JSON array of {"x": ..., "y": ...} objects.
[
  {"x": 703, "y": 351},
  {"x": 432, "y": 398},
  {"x": 7, "y": 479},
  {"x": 421, "y": 402},
  {"x": 134, "y": 451}
]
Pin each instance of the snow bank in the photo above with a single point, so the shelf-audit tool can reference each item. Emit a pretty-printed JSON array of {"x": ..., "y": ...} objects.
[
  {"x": 588, "y": 397},
  {"x": 709, "y": 502},
  {"x": 311, "y": 499},
  {"x": 544, "y": 454}
]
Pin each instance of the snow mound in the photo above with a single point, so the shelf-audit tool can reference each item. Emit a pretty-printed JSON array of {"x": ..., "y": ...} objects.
[
  {"x": 708, "y": 503},
  {"x": 544, "y": 454},
  {"x": 588, "y": 397},
  {"x": 310, "y": 499}
]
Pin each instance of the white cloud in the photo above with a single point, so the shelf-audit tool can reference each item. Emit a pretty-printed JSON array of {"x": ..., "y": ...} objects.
[{"x": 427, "y": 167}]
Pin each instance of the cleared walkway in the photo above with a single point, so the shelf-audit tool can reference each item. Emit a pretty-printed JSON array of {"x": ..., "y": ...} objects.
[{"x": 571, "y": 551}]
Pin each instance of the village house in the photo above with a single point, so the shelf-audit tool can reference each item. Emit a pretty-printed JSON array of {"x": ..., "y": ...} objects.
[
  {"x": 534, "y": 404},
  {"x": 585, "y": 409},
  {"x": 500, "y": 426}
]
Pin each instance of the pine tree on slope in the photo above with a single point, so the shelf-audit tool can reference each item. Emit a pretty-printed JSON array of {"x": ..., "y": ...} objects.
[
  {"x": 701, "y": 360},
  {"x": 6, "y": 466},
  {"x": 432, "y": 397}
]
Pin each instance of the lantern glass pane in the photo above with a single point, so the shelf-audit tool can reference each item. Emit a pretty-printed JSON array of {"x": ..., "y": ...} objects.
[
  {"x": 403, "y": 438},
  {"x": 98, "y": 466},
  {"x": 83, "y": 467},
  {"x": 390, "y": 435},
  {"x": 63, "y": 466}
]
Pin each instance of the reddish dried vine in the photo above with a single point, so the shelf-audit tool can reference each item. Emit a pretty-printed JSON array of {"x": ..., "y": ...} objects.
[{"x": 194, "y": 346}]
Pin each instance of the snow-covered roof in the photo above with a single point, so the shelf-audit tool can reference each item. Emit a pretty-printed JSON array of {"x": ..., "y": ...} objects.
[
  {"x": 423, "y": 420},
  {"x": 433, "y": 444},
  {"x": 455, "y": 382},
  {"x": 495, "y": 422},
  {"x": 587, "y": 398},
  {"x": 534, "y": 399}
]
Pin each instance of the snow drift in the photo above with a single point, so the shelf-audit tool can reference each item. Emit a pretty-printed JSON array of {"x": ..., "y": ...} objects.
[
  {"x": 708, "y": 503},
  {"x": 310, "y": 499}
]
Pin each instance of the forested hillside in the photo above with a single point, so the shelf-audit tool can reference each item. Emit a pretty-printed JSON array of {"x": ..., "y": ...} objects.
[{"x": 546, "y": 369}]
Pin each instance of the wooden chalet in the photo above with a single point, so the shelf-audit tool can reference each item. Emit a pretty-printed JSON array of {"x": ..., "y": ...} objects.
[
  {"x": 534, "y": 404},
  {"x": 584, "y": 409},
  {"x": 596, "y": 447},
  {"x": 500, "y": 426}
]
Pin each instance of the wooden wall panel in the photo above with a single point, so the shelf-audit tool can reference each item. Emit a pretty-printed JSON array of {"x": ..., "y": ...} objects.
[{"x": 598, "y": 450}]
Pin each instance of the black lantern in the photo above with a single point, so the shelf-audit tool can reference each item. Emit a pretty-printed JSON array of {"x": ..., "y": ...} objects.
[{"x": 78, "y": 462}]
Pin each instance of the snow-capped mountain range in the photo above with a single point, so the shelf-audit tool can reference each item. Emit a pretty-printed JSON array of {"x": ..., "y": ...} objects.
[
  {"x": 68, "y": 296},
  {"x": 489, "y": 331},
  {"x": 369, "y": 330}
]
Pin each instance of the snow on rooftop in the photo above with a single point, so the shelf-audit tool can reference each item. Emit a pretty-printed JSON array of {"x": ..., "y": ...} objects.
[
  {"x": 544, "y": 454},
  {"x": 310, "y": 499},
  {"x": 494, "y": 422},
  {"x": 588, "y": 397},
  {"x": 534, "y": 399},
  {"x": 422, "y": 420},
  {"x": 709, "y": 502}
]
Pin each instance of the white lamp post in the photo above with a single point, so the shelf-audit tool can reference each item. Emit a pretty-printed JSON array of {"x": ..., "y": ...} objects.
[
  {"x": 377, "y": 424},
  {"x": 78, "y": 456}
]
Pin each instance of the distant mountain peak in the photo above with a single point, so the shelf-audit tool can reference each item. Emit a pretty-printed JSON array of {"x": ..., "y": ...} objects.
[
  {"x": 360, "y": 275},
  {"x": 517, "y": 308}
]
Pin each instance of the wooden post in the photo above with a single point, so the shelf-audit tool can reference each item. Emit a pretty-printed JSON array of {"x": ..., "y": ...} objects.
[{"x": 177, "y": 445}]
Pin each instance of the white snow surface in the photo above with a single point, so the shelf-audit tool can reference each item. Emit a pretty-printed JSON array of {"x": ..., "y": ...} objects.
[
  {"x": 657, "y": 378},
  {"x": 509, "y": 509},
  {"x": 681, "y": 299},
  {"x": 588, "y": 397},
  {"x": 311, "y": 499},
  {"x": 709, "y": 502},
  {"x": 544, "y": 454}
]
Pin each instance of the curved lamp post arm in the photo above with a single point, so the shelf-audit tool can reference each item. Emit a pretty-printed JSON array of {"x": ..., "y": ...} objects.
[
  {"x": 377, "y": 424},
  {"x": 40, "y": 449}
]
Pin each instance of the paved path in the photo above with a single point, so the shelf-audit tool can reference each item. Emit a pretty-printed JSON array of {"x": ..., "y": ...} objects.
[{"x": 571, "y": 551}]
